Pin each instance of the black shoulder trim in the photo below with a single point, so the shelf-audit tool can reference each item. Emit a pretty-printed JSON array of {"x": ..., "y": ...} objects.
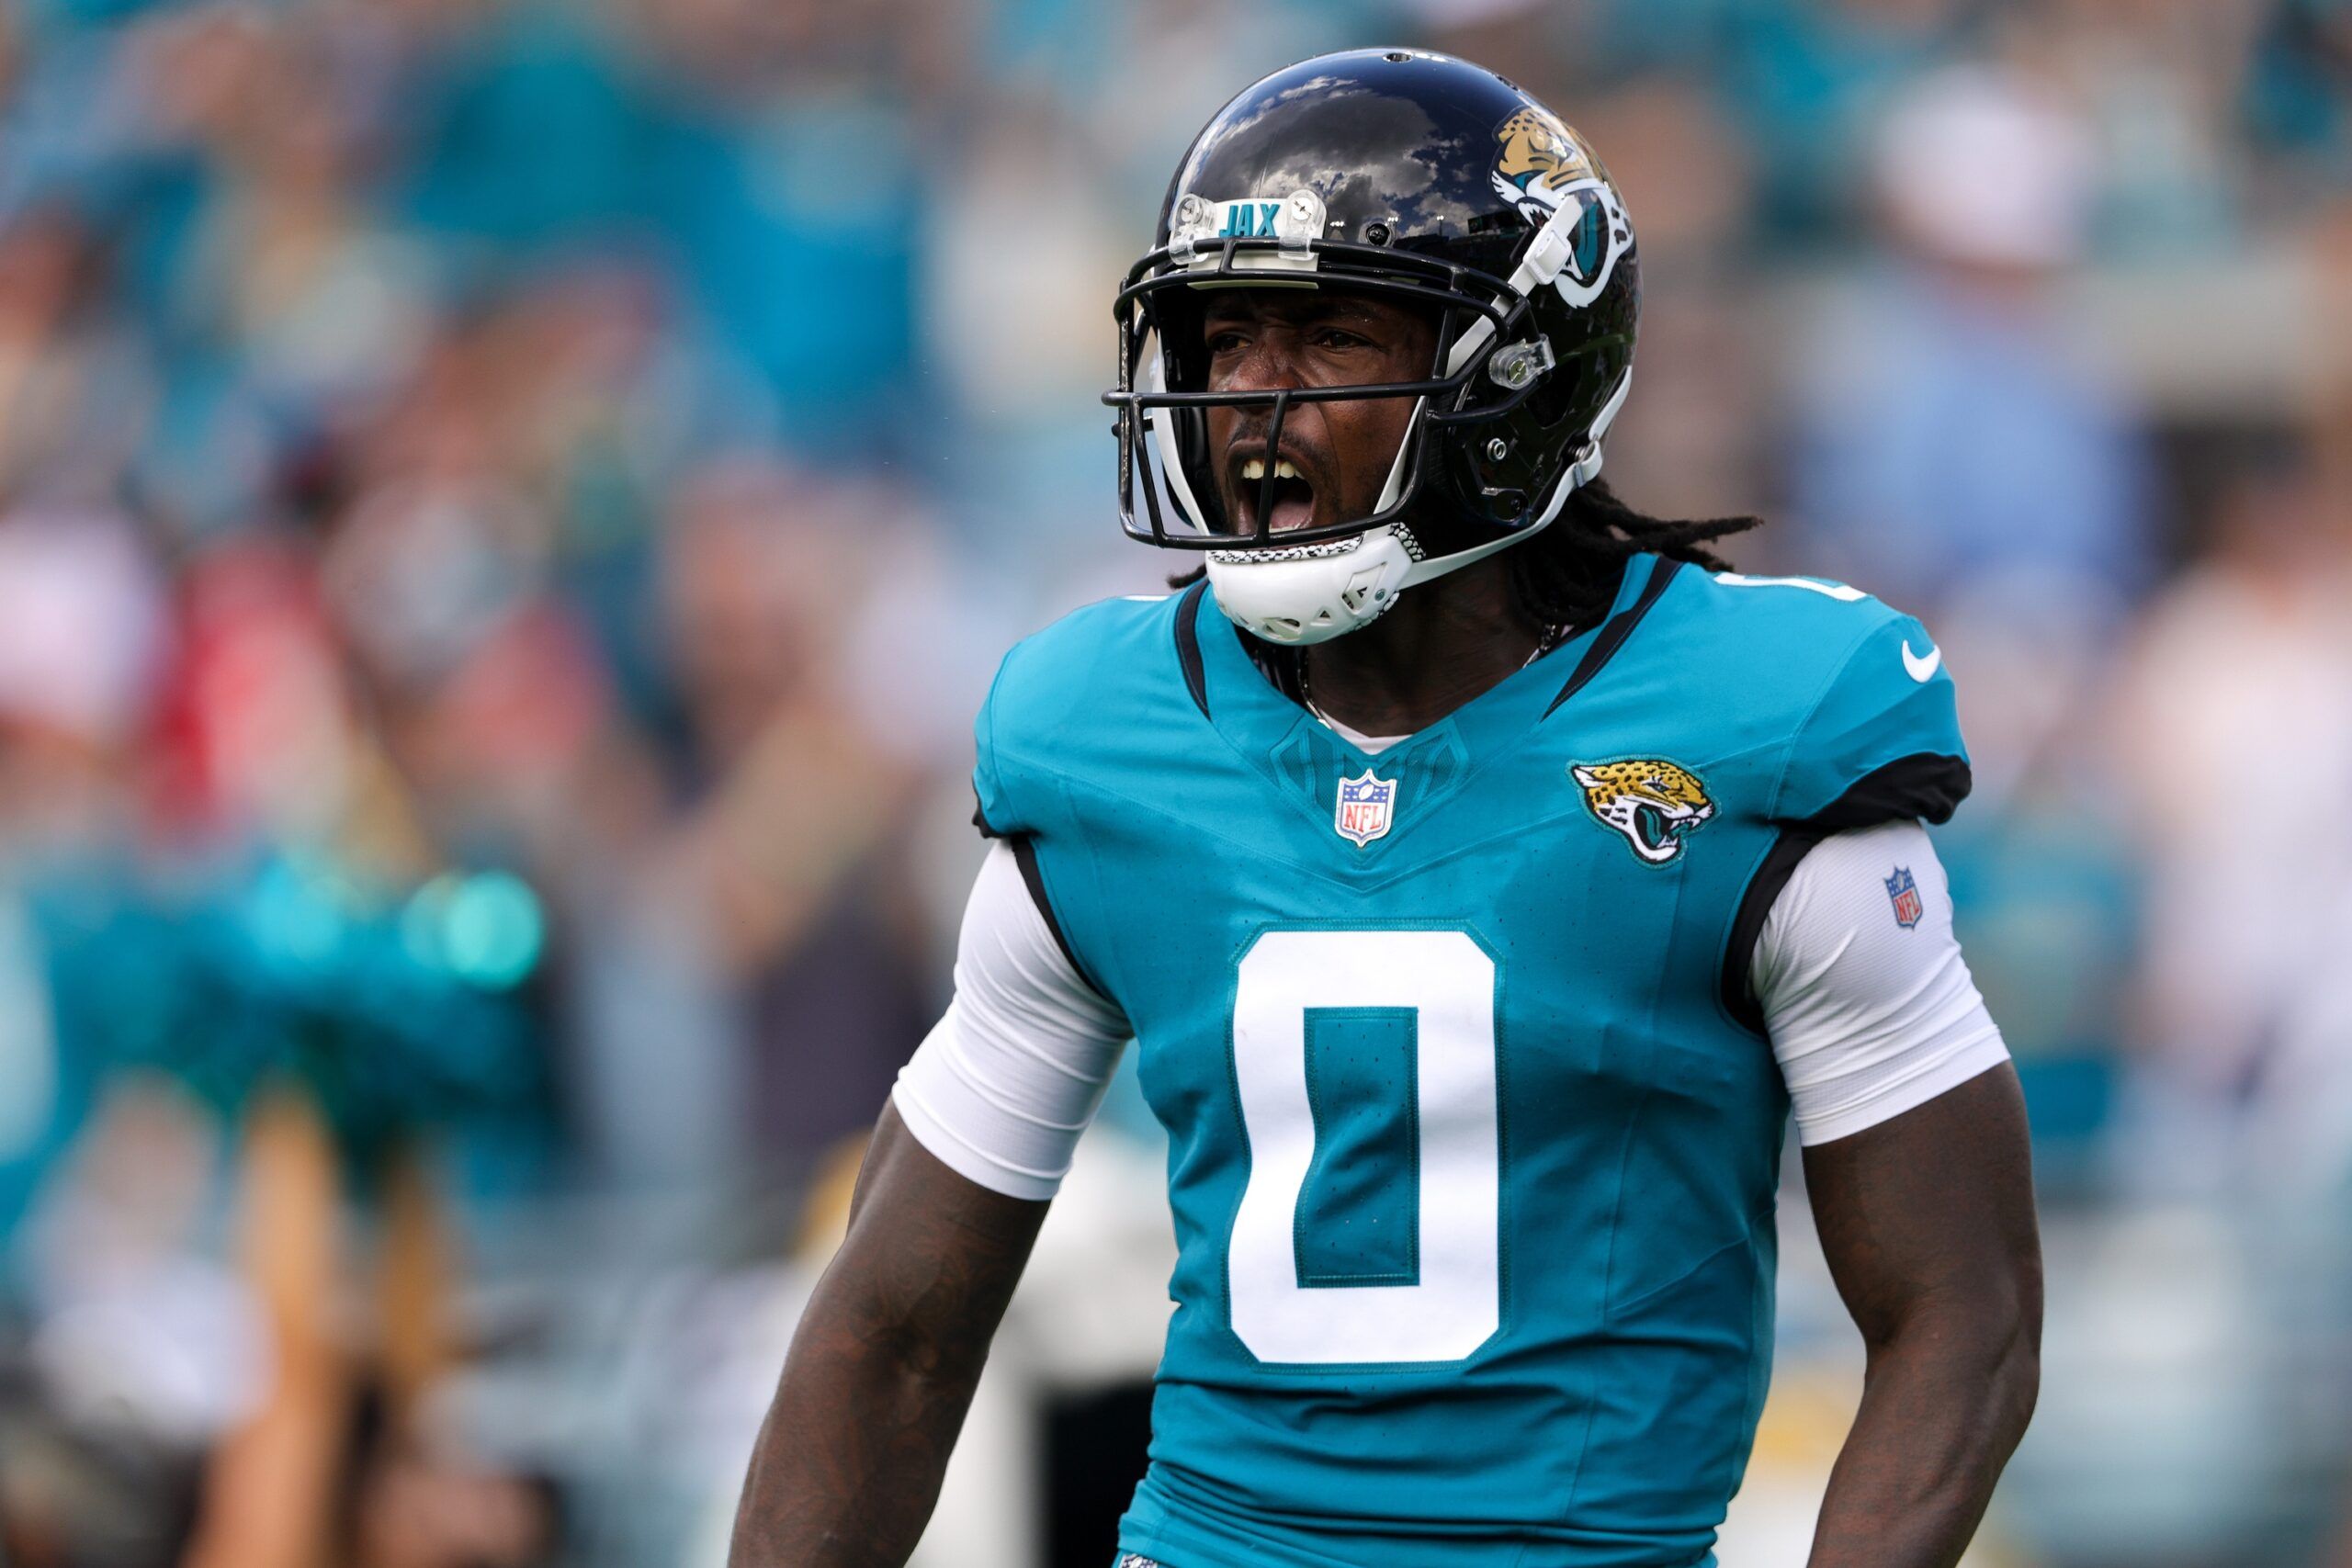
[
  {"x": 1754, "y": 905},
  {"x": 1922, "y": 784},
  {"x": 1613, "y": 634},
  {"x": 1188, "y": 646},
  {"x": 980, "y": 818},
  {"x": 1024, "y": 855}
]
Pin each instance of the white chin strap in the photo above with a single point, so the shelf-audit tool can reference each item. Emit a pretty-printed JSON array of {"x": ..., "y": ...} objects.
[{"x": 1314, "y": 592}]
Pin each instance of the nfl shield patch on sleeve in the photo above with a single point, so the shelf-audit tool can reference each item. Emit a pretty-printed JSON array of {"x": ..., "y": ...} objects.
[{"x": 1905, "y": 893}]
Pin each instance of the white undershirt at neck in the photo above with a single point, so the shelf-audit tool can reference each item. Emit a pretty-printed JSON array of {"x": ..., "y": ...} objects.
[{"x": 1370, "y": 745}]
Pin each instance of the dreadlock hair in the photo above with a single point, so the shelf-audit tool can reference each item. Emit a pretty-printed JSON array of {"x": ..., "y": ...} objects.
[{"x": 1566, "y": 576}]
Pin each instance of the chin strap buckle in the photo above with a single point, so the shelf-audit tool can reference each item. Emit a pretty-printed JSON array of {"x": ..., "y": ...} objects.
[{"x": 1517, "y": 366}]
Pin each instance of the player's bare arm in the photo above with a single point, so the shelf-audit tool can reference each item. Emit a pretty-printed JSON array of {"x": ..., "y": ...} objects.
[
  {"x": 1928, "y": 1221},
  {"x": 848, "y": 1465}
]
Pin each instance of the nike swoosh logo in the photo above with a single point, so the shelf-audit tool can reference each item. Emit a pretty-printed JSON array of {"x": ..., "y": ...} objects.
[{"x": 1921, "y": 669}]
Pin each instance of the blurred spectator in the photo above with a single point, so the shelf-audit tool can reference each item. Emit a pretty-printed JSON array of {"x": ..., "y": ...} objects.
[
  {"x": 75, "y": 386},
  {"x": 2243, "y": 670},
  {"x": 2152, "y": 81},
  {"x": 788, "y": 170},
  {"x": 532, "y": 137},
  {"x": 760, "y": 905},
  {"x": 82, "y": 643},
  {"x": 1948, "y": 438},
  {"x": 2297, "y": 95},
  {"x": 1808, "y": 80}
]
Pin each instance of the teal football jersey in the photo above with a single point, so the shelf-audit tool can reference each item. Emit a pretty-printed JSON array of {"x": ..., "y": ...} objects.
[{"x": 1473, "y": 1130}]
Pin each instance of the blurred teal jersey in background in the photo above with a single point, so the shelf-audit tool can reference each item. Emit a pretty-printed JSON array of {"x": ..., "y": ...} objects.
[{"x": 1474, "y": 1132}]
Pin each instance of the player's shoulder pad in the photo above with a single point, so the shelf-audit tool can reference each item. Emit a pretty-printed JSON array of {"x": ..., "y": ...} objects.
[
  {"x": 1860, "y": 690},
  {"x": 1061, "y": 694}
]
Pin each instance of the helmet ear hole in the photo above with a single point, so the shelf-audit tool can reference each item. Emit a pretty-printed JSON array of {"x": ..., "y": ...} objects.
[{"x": 1550, "y": 401}]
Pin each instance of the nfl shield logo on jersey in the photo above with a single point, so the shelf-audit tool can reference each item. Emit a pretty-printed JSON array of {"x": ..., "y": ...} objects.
[
  {"x": 1367, "y": 805},
  {"x": 1906, "y": 894}
]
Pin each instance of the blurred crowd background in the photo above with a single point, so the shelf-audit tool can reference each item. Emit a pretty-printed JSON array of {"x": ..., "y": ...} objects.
[{"x": 507, "y": 508}]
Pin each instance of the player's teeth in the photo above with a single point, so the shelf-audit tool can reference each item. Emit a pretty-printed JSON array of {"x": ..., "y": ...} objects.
[
  {"x": 1284, "y": 471},
  {"x": 1255, "y": 469}
]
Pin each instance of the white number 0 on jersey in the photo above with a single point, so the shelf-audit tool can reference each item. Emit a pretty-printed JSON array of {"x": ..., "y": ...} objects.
[{"x": 1448, "y": 983}]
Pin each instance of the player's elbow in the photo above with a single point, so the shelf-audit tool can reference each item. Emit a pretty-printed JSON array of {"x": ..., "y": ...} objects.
[
  {"x": 1981, "y": 1349},
  {"x": 2017, "y": 1371},
  {"x": 2003, "y": 1357},
  {"x": 2016, "y": 1377},
  {"x": 2012, "y": 1383}
]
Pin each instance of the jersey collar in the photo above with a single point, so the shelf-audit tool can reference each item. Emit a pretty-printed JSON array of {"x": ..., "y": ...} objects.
[{"x": 1302, "y": 757}]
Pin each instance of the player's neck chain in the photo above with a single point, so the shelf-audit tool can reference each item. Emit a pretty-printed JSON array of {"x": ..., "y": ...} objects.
[{"x": 1553, "y": 636}]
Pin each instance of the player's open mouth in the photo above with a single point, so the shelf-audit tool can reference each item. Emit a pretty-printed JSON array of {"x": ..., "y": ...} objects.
[{"x": 1291, "y": 497}]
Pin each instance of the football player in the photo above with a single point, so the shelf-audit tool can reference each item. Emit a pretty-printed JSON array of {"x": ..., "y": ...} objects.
[{"x": 1484, "y": 876}]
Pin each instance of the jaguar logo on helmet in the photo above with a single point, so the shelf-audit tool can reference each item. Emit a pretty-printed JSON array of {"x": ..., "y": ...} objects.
[
  {"x": 1542, "y": 165},
  {"x": 1539, "y": 156}
]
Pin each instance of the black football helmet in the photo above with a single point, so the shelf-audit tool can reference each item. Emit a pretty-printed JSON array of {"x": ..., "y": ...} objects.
[{"x": 1422, "y": 179}]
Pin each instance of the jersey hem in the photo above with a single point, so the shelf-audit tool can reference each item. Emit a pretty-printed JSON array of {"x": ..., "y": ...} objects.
[{"x": 1179, "y": 1535}]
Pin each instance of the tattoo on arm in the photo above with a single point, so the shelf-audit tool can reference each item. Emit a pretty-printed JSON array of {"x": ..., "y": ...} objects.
[{"x": 882, "y": 1368}]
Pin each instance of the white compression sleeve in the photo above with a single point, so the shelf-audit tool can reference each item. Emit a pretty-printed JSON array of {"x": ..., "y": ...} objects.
[
  {"x": 1869, "y": 1018},
  {"x": 1003, "y": 1085}
]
